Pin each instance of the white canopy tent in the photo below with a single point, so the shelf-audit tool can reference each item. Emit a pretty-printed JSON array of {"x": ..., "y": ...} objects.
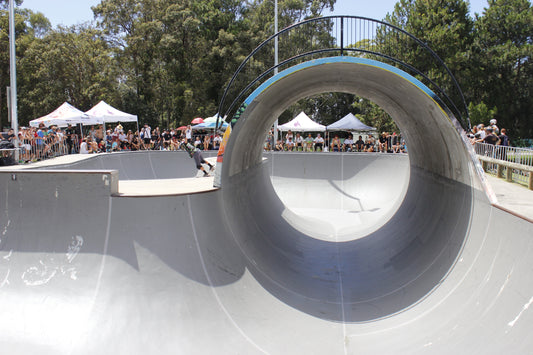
[
  {"x": 108, "y": 113},
  {"x": 349, "y": 123},
  {"x": 302, "y": 123},
  {"x": 64, "y": 115}
]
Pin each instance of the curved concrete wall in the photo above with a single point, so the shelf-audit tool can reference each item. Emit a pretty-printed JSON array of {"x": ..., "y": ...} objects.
[
  {"x": 139, "y": 165},
  {"x": 389, "y": 269}
]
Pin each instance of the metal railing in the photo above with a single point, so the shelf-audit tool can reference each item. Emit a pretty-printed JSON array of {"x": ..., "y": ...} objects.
[
  {"x": 346, "y": 36},
  {"x": 515, "y": 164},
  {"x": 32, "y": 149},
  {"x": 36, "y": 149},
  {"x": 516, "y": 155}
]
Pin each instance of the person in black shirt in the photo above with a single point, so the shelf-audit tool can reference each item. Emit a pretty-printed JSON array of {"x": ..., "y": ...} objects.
[
  {"x": 490, "y": 137},
  {"x": 504, "y": 139},
  {"x": 70, "y": 133},
  {"x": 360, "y": 144}
]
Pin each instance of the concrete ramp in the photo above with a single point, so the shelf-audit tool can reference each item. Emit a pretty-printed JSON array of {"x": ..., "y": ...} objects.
[{"x": 425, "y": 266}]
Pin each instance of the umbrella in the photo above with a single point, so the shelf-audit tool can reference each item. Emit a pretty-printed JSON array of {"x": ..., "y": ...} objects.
[
  {"x": 182, "y": 128},
  {"x": 197, "y": 120}
]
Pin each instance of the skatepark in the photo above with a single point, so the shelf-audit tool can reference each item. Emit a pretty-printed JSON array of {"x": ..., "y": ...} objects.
[
  {"x": 295, "y": 253},
  {"x": 425, "y": 264}
]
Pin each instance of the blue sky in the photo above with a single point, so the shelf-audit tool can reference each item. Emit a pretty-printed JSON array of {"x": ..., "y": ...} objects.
[{"x": 71, "y": 12}]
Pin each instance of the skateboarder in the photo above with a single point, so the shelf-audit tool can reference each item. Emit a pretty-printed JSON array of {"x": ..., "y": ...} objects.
[{"x": 198, "y": 158}]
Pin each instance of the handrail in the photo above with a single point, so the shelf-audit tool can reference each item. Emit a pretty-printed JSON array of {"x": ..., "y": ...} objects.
[{"x": 372, "y": 29}]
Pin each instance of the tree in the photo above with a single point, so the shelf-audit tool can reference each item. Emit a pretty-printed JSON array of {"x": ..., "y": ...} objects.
[
  {"x": 71, "y": 64},
  {"x": 28, "y": 27},
  {"x": 446, "y": 27},
  {"x": 503, "y": 52}
]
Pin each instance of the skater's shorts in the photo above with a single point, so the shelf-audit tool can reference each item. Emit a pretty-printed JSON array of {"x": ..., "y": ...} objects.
[{"x": 198, "y": 159}]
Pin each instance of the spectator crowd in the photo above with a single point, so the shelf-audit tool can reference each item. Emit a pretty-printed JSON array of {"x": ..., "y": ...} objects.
[
  {"x": 384, "y": 143},
  {"x": 39, "y": 143},
  {"x": 489, "y": 134},
  {"x": 47, "y": 142}
]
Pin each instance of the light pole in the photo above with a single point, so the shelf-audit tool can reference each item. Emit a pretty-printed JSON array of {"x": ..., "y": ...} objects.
[
  {"x": 13, "y": 77},
  {"x": 275, "y": 61}
]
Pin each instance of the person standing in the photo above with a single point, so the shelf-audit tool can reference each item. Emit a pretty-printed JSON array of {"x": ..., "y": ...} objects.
[
  {"x": 188, "y": 134},
  {"x": 504, "y": 139},
  {"x": 70, "y": 133},
  {"x": 495, "y": 128},
  {"x": 490, "y": 137},
  {"x": 147, "y": 138}
]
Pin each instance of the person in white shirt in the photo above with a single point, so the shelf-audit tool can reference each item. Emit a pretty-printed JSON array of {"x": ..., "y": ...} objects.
[
  {"x": 85, "y": 147},
  {"x": 347, "y": 145},
  {"x": 289, "y": 144},
  {"x": 299, "y": 141},
  {"x": 188, "y": 134},
  {"x": 147, "y": 137},
  {"x": 197, "y": 142},
  {"x": 217, "y": 141},
  {"x": 319, "y": 142}
]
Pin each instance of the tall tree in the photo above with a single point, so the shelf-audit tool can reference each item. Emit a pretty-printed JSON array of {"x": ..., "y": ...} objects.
[
  {"x": 445, "y": 26},
  {"x": 71, "y": 64},
  {"x": 28, "y": 27},
  {"x": 503, "y": 54},
  {"x": 174, "y": 54}
]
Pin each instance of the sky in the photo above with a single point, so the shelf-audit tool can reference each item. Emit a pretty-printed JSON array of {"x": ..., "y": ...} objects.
[{"x": 72, "y": 12}]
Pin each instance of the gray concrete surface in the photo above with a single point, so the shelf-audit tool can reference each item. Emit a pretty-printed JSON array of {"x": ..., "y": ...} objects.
[
  {"x": 513, "y": 197},
  {"x": 255, "y": 267}
]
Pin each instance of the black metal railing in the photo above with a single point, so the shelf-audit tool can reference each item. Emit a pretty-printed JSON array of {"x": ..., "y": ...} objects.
[{"x": 346, "y": 36}]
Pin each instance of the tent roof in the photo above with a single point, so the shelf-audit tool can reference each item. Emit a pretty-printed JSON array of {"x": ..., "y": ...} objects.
[
  {"x": 349, "y": 123},
  {"x": 302, "y": 123},
  {"x": 65, "y": 114},
  {"x": 110, "y": 114},
  {"x": 209, "y": 125},
  {"x": 213, "y": 118}
]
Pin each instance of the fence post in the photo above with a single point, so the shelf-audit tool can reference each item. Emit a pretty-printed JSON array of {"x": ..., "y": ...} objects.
[
  {"x": 499, "y": 171},
  {"x": 509, "y": 174},
  {"x": 530, "y": 182}
]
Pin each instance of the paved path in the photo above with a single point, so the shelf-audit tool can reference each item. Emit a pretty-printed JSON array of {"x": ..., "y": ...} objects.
[{"x": 513, "y": 197}]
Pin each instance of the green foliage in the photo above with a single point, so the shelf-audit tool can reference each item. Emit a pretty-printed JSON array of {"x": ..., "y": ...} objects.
[
  {"x": 481, "y": 113},
  {"x": 70, "y": 64},
  {"x": 169, "y": 61},
  {"x": 29, "y": 26},
  {"x": 503, "y": 53}
]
